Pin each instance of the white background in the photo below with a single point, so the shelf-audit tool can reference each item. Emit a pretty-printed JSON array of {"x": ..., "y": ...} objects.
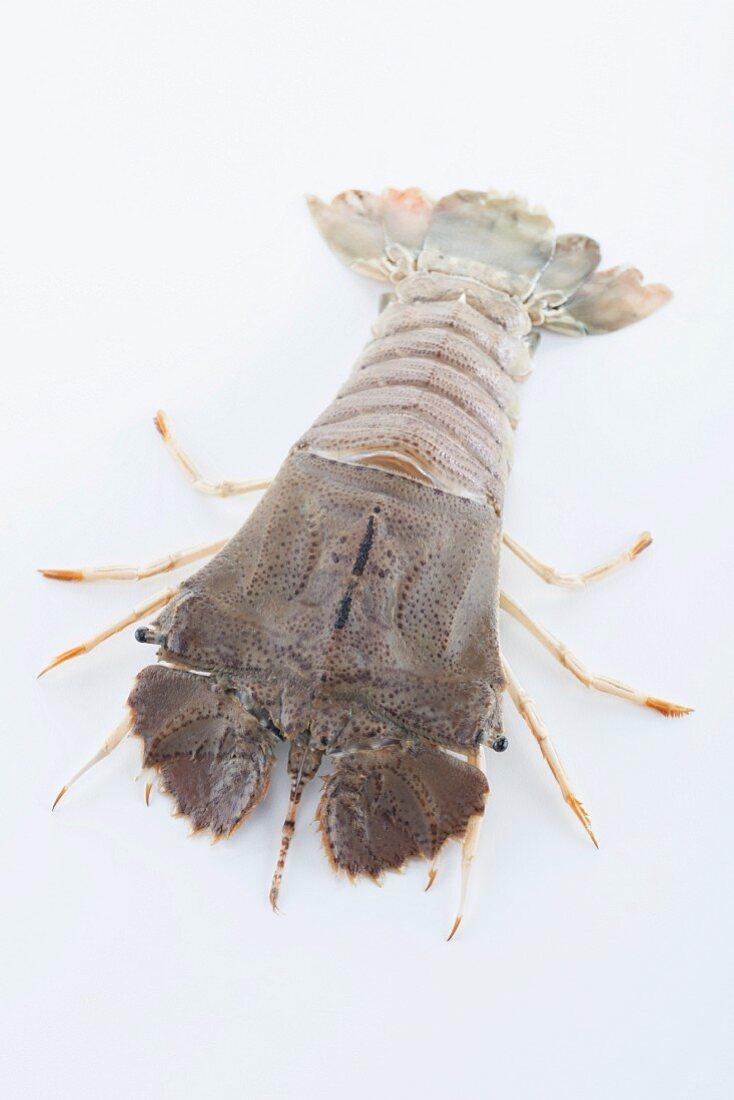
[{"x": 156, "y": 251}]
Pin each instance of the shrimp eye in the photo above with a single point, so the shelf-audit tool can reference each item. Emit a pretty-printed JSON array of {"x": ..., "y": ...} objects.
[{"x": 500, "y": 744}]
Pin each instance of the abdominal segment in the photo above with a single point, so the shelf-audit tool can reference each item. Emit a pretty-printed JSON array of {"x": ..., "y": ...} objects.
[{"x": 433, "y": 395}]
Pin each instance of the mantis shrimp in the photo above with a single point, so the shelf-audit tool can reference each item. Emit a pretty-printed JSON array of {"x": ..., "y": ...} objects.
[{"x": 355, "y": 614}]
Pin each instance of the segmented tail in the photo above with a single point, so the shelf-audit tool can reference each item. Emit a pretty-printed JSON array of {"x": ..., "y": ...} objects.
[{"x": 496, "y": 239}]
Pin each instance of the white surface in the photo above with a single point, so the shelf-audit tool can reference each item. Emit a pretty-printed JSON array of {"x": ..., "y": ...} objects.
[{"x": 157, "y": 251}]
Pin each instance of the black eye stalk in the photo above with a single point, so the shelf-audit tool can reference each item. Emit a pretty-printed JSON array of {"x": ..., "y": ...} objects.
[{"x": 499, "y": 744}]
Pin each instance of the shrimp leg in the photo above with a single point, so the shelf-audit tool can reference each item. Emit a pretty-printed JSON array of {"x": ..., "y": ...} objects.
[
  {"x": 117, "y": 735},
  {"x": 214, "y": 488},
  {"x": 576, "y": 580},
  {"x": 562, "y": 654},
  {"x": 154, "y": 603},
  {"x": 138, "y": 572},
  {"x": 526, "y": 708},
  {"x": 468, "y": 848}
]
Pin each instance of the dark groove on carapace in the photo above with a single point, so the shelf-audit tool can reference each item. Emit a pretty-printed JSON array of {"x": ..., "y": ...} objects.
[
  {"x": 364, "y": 548},
  {"x": 342, "y": 615}
]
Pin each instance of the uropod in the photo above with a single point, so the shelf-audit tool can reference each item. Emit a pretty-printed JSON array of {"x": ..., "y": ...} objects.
[{"x": 355, "y": 614}]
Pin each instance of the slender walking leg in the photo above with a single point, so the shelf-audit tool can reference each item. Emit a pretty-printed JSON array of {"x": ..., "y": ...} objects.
[
  {"x": 576, "y": 580},
  {"x": 138, "y": 572},
  {"x": 526, "y": 709},
  {"x": 215, "y": 488},
  {"x": 600, "y": 683},
  {"x": 469, "y": 848},
  {"x": 117, "y": 735},
  {"x": 154, "y": 603}
]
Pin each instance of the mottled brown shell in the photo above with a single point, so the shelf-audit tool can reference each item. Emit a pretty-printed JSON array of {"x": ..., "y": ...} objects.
[
  {"x": 356, "y": 604},
  {"x": 213, "y": 756},
  {"x": 381, "y": 808}
]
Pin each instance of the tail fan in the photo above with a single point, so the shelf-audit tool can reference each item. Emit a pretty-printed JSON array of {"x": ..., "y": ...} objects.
[
  {"x": 493, "y": 239},
  {"x": 606, "y": 302}
]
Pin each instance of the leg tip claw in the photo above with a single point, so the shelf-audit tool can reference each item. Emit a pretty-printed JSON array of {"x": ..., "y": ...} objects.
[
  {"x": 65, "y": 656},
  {"x": 162, "y": 424},
  {"x": 58, "y": 798},
  {"x": 455, "y": 928},
  {"x": 642, "y": 543},
  {"x": 583, "y": 817},
  {"x": 62, "y": 574},
  {"x": 669, "y": 710}
]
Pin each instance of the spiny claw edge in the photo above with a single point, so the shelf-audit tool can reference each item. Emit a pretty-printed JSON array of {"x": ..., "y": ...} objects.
[
  {"x": 583, "y": 817},
  {"x": 669, "y": 710}
]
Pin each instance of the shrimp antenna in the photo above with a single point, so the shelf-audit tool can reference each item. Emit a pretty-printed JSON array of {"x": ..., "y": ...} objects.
[{"x": 299, "y": 781}]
